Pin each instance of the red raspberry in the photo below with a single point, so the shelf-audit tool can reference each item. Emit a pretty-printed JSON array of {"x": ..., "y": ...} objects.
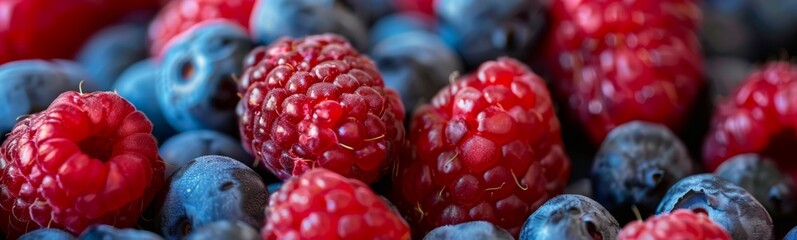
[
  {"x": 681, "y": 224},
  {"x": 321, "y": 204},
  {"x": 760, "y": 117},
  {"x": 615, "y": 61},
  {"x": 316, "y": 102},
  {"x": 180, "y": 15},
  {"x": 87, "y": 159},
  {"x": 488, "y": 148},
  {"x": 421, "y": 6}
]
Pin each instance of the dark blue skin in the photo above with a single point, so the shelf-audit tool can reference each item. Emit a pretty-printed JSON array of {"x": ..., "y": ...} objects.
[
  {"x": 47, "y": 233},
  {"x": 209, "y": 189},
  {"x": 570, "y": 216},
  {"x": 727, "y": 204},
  {"x": 792, "y": 235},
  {"x": 137, "y": 85},
  {"x": 484, "y": 30},
  {"x": 224, "y": 230},
  {"x": 369, "y": 10},
  {"x": 107, "y": 232},
  {"x": 416, "y": 64},
  {"x": 111, "y": 50},
  {"x": 183, "y": 147},
  {"x": 274, "y": 187},
  {"x": 635, "y": 166},
  {"x": 299, "y": 18},
  {"x": 197, "y": 88},
  {"x": 399, "y": 23},
  {"x": 469, "y": 230}
]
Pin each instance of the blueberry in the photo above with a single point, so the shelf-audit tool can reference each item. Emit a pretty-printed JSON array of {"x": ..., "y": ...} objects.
[
  {"x": 111, "y": 50},
  {"x": 186, "y": 146},
  {"x": 635, "y": 166},
  {"x": 299, "y": 18},
  {"x": 469, "y": 230},
  {"x": 197, "y": 88},
  {"x": 209, "y": 189},
  {"x": 224, "y": 230},
  {"x": 107, "y": 232},
  {"x": 416, "y": 64},
  {"x": 792, "y": 235},
  {"x": 484, "y": 30},
  {"x": 274, "y": 187},
  {"x": 570, "y": 216},
  {"x": 761, "y": 178},
  {"x": 399, "y": 23},
  {"x": 725, "y": 203},
  {"x": 47, "y": 233},
  {"x": 137, "y": 85}
]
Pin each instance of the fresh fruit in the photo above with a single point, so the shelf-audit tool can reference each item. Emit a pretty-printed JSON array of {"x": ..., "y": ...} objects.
[
  {"x": 47, "y": 233},
  {"x": 469, "y": 230},
  {"x": 680, "y": 224},
  {"x": 484, "y": 30},
  {"x": 369, "y": 10},
  {"x": 416, "y": 64},
  {"x": 615, "y": 61},
  {"x": 224, "y": 230},
  {"x": 102, "y": 232},
  {"x": 635, "y": 166},
  {"x": 196, "y": 89},
  {"x": 570, "y": 216},
  {"x": 89, "y": 158},
  {"x": 272, "y": 19},
  {"x": 398, "y": 23},
  {"x": 321, "y": 204},
  {"x": 138, "y": 85},
  {"x": 209, "y": 189},
  {"x": 316, "y": 102},
  {"x": 487, "y": 148},
  {"x": 111, "y": 50},
  {"x": 792, "y": 235},
  {"x": 727, "y": 204},
  {"x": 420, "y": 6},
  {"x": 181, "y": 148},
  {"x": 179, "y": 16},
  {"x": 760, "y": 117}
]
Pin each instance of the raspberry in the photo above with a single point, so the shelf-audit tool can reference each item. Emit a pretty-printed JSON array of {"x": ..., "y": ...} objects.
[
  {"x": 321, "y": 204},
  {"x": 316, "y": 102},
  {"x": 180, "y": 15},
  {"x": 615, "y": 61},
  {"x": 680, "y": 224},
  {"x": 487, "y": 148},
  {"x": 87, "y": 159},
  {"x": 760, "y": 117}
]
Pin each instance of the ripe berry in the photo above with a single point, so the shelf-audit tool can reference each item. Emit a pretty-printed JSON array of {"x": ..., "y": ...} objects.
[
  {"x": 488, "y": 147},
  {"x": 138, "y": 84},
  {"x": 224, "y": 230},
  {"x": 46, "y": 233},
  {"x": 680, "y": 224},
  {"x": 469, "y": 230},
  {"x": 316, "y": 102},
  {"x": 111, "y": 50},
  {"x": 87, "y": 159},
  {"x": 321, "y": 204},
  {"x": 110, "y": 232},
  {"x": 570, "y": 216},
  {"x": 184, "y": 147},
  {"x": 615, "y": 61}
]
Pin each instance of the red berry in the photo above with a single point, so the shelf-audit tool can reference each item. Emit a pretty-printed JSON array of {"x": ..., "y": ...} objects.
[
  {"x": 321, "y": 204},
  {"x": 180, "y": 15},
  {"x": 487, "y": 148},
  {"x": 615, "y": 61},
  {"x": 316, "y": 102},
  {"x": 760, "y": 117},
  {"x": 681, "y": 224},
  {"x": 87, "y": 159},
  {"x": 421, "y": 6}
]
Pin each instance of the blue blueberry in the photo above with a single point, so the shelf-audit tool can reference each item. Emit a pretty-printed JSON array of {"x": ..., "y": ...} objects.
[
  {"x": 209, "y": 189},
  {"x": 416, "y": 64},
  {"x": 635, "y": 166},
  {"x": 399, "y": 23},
  {"x": 792, "y": 235},
  {"x": 184, "y": 147},
  {"x": 197, "y": 88},
  {"x": 570, "y": 216},
  {"x": 111, "y": 50},
  {"x": 274, "y": 187},
  {"x": 726, "y": 203},
  {"x": 47, "y": 233},
  {"x": 107, "y": 232},
  {"x": 224, "y": 230},
  {"x": 273, "y": 19},
  {"x": 469, "y": 230},
  {"x": 484, "y": 30},
  {"x": 137, "y": 85}
]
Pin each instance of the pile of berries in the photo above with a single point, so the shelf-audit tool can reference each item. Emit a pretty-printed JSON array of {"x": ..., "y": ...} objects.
[{"x": 397, "y": 119}]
